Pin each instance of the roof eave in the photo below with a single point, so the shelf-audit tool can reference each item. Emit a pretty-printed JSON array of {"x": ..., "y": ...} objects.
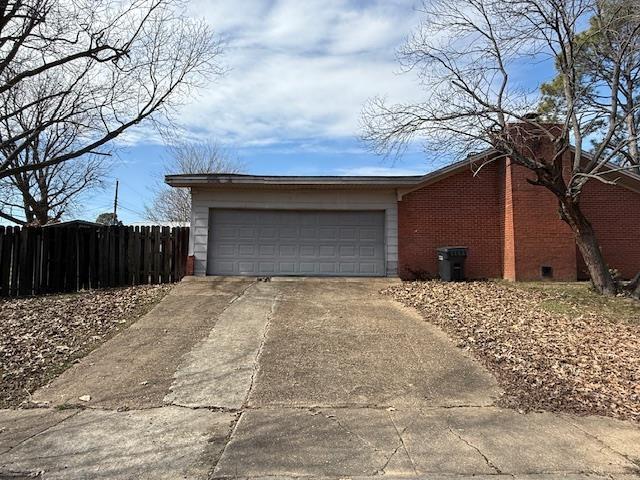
[{"x": 250, "y": 181}]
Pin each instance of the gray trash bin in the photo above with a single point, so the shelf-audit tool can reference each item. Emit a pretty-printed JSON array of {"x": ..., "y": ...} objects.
[{"x": 451, "y": 263}]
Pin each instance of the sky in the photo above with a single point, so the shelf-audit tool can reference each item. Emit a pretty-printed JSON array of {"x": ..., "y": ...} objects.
[{"x": 297, "y": 76}]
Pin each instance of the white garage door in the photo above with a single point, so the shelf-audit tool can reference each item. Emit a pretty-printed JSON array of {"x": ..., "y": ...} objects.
[{"x": 287, "y": 242}]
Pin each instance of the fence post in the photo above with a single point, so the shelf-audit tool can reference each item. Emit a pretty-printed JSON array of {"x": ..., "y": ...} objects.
[{"x": 5, "y": 261}]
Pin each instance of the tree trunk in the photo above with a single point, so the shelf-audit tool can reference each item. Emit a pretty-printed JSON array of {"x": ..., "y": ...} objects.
[
  {"x": 589, "y": 247},
  {"x": 41, "y": 217}
]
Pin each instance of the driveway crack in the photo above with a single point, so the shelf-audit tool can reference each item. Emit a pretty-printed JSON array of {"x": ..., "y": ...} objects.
[
  {"x": 343, "y": 427},
  {"x": 256, "y": 362},
  {"x": 406, "y": 451},
  {"x": 41, "y": 432},
  {"x": 467, "y": 442},
  {"x": 601, "y": 442},
  {"x": 232, "y": 430},
  {"x": 386, "y": 464}
]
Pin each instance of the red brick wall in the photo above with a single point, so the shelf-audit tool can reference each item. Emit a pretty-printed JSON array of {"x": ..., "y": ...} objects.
[
  {"x": 509, "y": 248},
  {"x": 513, "y": 228},
  {"x": 614, "y": 212},
  {"x": 459, "y": 210},
  {"x": 538, "y": 236}
]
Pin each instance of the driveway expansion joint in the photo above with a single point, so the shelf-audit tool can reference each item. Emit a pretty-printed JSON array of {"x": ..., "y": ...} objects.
[{"x": 227, "y": 441}]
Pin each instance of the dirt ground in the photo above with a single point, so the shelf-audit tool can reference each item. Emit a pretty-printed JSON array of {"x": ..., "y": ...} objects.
[
  {"x": 553, "y": 346},
  {"x": 42, "y": 336}
]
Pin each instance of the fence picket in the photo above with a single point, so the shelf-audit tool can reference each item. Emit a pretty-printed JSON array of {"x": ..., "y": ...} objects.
[{"x": 5, "y": 260}]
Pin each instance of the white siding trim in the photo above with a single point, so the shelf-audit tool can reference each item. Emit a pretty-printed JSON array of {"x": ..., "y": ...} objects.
[{"x": 204, "y": 199}]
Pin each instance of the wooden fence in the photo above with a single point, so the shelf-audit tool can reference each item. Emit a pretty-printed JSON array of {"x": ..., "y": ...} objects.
[{"x": 55, "y": 259}]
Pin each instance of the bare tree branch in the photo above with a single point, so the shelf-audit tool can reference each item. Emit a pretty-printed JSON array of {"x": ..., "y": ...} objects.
[
  {"x": 466, "y": 54},
  {"x": 171, "y": 204},
  {"x": 107, "y": 67}
]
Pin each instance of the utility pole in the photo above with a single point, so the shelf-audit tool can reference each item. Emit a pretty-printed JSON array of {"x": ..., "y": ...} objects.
[{"x": 115, "y": 206}]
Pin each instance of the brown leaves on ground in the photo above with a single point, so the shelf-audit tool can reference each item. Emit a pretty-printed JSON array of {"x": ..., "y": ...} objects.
[
  {"x": 550, "y": 347},
  {"x": 41, "y": 336}
]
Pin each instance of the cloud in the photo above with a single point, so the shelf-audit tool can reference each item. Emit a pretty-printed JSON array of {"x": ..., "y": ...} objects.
[
  {"x": 300, "y": 70},
  {"x": 374, "y": 171}
]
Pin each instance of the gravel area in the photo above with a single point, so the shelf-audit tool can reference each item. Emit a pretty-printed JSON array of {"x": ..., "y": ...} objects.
[
  {"x": 42, "y": 336},
  {"x": 556, "y": 347}
]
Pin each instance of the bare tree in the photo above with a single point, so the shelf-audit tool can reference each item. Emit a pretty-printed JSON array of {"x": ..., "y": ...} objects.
[
  {"x": 466, "y": 53},
  {"x": 45, "y": 193},
  {"x": 108, "y": 67},
  {"x": 609, "y": 54},
  {"x": 171, "y": 204}
]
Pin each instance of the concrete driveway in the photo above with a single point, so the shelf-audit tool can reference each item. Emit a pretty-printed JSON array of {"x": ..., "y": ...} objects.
[{"x": 290, "y": 378}]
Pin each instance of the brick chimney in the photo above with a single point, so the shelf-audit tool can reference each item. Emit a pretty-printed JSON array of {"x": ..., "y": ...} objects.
[{"x": 537, "y": 243}]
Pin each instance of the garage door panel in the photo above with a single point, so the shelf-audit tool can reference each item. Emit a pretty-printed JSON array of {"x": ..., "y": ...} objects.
[
  {"x": 306, "y": 268},
  {"x": 287, "y": 268},
  {"x": 266, "y": 268},
  {"x": 288, "y": 251},
  {"x": 227, "y": 232},
  {"x": 224, "y": 267},
  {"x": 307, "y": 251},
  {"x": 226, "y": 251},
  {"x": 349, "y": 268},
  {"x": 268, "y": 233},
  {"x": 246, "y": 250},
  {"x": 287, "y": 242},
  {"x": 367, "y": 268},
  {"x": 289, "y": 232},
  {"x": 327, "y": 251},
  {"x": 327, "y": 233},
  {"x": 246, "y": 268},
  {"x": 308, "y": 233},
  {"x": 246, "y": 232},
  {"x": 327, "y": 268},
  {"x": 267, "y": 250},
  {"x": 367, "y": 252},
  {"x": 367, "y": 233},
  {"x": 348, "y": 233},
  {"x": 347, "y": 251}
]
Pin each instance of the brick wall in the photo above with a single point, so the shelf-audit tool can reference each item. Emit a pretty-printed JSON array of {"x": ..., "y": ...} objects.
[
  {"x": 459, "y": 210},
  {"x": 614, "y": 213},
  {"x": 509, "y": 246},
  {"x": 513, "y": 228},
  {"x": 537, "y": 237}
]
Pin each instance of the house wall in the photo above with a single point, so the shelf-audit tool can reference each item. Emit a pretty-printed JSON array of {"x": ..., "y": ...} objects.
[
  {"x": 538, "y": 236},
  {"x": 203, "y": 199},
  {"x": 614, "y": 212},
  {"x": 511, "y": 228},
  {"x": 460, "y": 210}
]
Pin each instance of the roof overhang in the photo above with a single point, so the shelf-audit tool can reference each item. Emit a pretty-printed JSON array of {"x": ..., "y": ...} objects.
[
  {"x": 272, "y": 181},
  {"x": 401, "y": 184}
]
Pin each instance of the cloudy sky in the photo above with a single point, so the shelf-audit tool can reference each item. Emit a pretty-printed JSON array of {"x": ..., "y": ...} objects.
[{"x": 298, "y": 74}]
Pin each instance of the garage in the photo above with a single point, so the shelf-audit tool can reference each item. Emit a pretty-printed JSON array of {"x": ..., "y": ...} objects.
[{"x": 296, "y": 242}]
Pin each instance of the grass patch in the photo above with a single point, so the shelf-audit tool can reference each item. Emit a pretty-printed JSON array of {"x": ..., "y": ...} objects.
[{"x": 576, "y": 299}]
